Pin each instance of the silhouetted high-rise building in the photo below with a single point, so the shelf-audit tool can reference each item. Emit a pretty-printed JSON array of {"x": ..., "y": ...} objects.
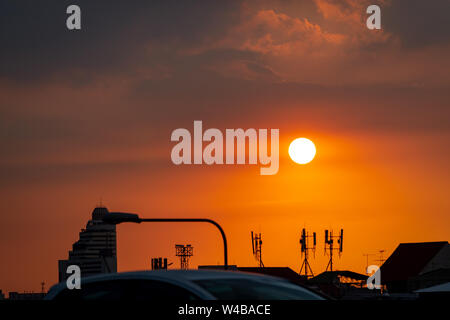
[{"x": 95, "y": 251}]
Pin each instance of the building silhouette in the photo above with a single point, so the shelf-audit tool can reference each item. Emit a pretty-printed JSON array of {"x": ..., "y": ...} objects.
[
  {"x": 414, "y": 266},
  {"x": 343, "y": 285},
  {"x": 95, "y": 251}
]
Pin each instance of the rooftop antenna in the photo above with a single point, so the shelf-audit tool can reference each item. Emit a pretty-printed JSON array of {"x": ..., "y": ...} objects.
[
  {"x": 185, "y": 252},
  {"x": 257, "y": 248},
  {"x": 329, "y": 246},
  {"x": 304, "y": 244},
  {"x": 160, "y": 263},
  {"x": 381, "y": 259},
  {"x": 367, "y": 255}
]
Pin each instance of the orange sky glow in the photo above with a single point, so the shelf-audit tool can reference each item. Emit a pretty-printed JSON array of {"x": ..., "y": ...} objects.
[{"x": 97, "y": 128}]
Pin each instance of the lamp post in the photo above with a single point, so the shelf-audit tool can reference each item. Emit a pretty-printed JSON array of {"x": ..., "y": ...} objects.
[{"x": 121, "y": 217}]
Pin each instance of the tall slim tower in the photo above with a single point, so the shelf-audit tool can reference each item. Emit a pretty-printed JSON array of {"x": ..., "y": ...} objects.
[{"x": 95, "y": 251}]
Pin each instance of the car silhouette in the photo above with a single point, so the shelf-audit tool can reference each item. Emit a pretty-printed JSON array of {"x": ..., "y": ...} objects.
[{"x": 182, "y": 285}]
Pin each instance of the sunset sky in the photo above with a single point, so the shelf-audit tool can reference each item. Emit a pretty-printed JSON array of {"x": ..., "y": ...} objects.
[{"x": 86, "y": 116}]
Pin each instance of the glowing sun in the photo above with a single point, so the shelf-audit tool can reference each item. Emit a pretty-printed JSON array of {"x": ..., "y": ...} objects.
[{"x": 302, "y": 150}]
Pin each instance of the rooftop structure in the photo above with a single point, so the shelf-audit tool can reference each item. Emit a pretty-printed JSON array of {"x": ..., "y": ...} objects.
[{"x": 412, "y": 260}]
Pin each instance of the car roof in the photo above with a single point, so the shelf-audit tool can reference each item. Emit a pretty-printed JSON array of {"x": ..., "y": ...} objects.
[
  {"x": 186, "y": 275},
  {"x": 184, "y": 278},
  {"x": 172, "y": 276}
]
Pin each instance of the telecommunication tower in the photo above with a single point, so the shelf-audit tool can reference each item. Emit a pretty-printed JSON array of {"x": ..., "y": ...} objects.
[
  {"x": 184, "y": 252},
  {"x": 304, "y": 244},
  {"x": 329, "y": 246},
  {"x": 257, "y": 248}
]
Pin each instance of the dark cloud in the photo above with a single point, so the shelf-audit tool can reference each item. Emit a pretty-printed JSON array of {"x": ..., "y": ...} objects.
[
  {"x": 130, "y": 37},
  {"x": 185, "y": 76},
  {"x": 418, "y": 23},
  {"x": 35, "y": 40}
]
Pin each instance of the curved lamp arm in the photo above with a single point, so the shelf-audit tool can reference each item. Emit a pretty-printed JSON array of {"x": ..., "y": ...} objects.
[{"x": 120, "y": 217}]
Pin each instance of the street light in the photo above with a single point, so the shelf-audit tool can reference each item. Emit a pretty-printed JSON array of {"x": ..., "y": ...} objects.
[{"x": 121, "y": 217}]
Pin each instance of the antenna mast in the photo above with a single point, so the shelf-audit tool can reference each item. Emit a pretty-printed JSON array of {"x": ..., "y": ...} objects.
[
  {"x": 257, "y": 248},
  {"x": 329, "y": 246},
  {"x": 304, "y": 250}
]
